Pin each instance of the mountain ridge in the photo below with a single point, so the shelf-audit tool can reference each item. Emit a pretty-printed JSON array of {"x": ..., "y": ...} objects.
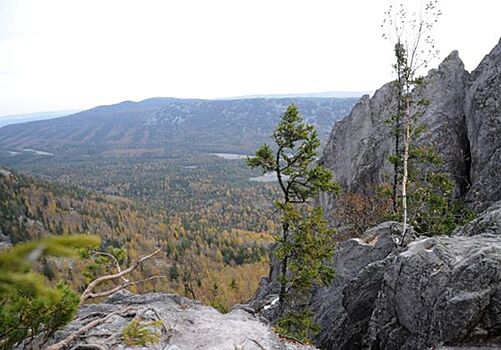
[{"x": 164, "y": 126}]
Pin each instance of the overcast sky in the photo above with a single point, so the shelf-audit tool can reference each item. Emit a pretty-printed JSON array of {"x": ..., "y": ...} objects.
[{"x": 67, "y": 54}]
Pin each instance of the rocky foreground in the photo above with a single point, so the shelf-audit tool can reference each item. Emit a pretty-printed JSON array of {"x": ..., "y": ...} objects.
[
  {"x": 187, "y": 325},
  {"x": 433, "y": 292}
]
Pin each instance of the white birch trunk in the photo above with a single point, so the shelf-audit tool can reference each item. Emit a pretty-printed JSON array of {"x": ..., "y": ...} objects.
[{"x": 404, "y": 178}]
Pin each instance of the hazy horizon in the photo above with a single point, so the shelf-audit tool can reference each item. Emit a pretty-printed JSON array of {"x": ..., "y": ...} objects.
[
  {"x": 59, "y": 55},
  {"x": 324, "y": 94}
]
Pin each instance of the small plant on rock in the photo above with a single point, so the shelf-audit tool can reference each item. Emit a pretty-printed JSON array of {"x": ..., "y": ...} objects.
[{"x": 142, "y": 333}]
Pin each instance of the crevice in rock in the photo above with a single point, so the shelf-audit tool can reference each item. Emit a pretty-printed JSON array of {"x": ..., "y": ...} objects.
[{"x": 467, "y": 162}]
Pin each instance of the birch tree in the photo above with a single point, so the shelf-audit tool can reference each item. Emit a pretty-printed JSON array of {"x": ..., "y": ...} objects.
[{"x": 414, "y": 47}]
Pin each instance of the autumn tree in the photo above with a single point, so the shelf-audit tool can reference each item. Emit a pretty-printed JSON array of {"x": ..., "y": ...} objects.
[
  {"x": 304, "y": 243},
  {"x": 357, "y": 212}
]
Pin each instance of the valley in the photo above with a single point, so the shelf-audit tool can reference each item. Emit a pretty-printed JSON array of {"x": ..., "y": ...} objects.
[{"x": 123, "y": 173}]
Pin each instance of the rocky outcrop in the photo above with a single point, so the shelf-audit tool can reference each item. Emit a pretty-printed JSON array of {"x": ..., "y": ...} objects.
[
  {"x": 343, "y": 310},
  {"x": 444, "y": 118},
  {"x": 483, "y": 116},
  {"x": 463, "y": 121},
  {"x": 435, "y": 291},
  {"x": 187, "y": 325},
  {"x": 359, "y": 145},
  {"x": 440, "y": 291}
]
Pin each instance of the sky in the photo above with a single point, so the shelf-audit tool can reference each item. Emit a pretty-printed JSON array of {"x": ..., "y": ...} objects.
[{"x": 76, "y": 54}]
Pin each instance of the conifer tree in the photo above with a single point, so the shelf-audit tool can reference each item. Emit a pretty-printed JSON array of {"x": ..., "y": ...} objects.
[{"x": 304, "y": 243}]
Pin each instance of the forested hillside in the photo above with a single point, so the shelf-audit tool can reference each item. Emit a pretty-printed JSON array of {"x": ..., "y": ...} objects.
[
  {"x": 202, "y": 260},
  {"x": 162, "y": 127},
  {"x": 203, "y": 188}
]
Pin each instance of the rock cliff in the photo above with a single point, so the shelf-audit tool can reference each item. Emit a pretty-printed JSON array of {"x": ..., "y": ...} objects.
[
  {"x": 463, "y": 120},
  {"x": 483, "y": 117}
]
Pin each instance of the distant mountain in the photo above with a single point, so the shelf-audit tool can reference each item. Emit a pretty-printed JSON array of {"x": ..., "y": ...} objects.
[
  {"x": 164, "y": 127},
  {"x": 327, "y": 94},
  {"x": 23, "y": 118}
]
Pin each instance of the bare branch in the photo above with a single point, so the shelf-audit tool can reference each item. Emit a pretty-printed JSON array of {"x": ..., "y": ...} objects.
[
  {"x": 257, "y": 343},
  {"x": 73, "y": 336},
  {"x": 124, "y": 285},
  {"x": 112, "y": 257},
  {"x": 89, "y": 294}
]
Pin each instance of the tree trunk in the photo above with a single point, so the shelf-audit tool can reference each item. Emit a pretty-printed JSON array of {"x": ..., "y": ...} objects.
[
  {"x": 404, "y": 179},
  {"x": 397, "y": 132},
  {"x": 283, "y": 271},
  {"x": 395, "y": 176}
]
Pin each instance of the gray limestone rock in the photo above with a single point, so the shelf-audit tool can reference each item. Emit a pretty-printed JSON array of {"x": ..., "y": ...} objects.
[
  {"x": 188, "y": 325},
  {"x": 483, "y": 112},
  {"x": 463, "y": 121},
  {"x": 445, "y": 120},
  {"x": 343, "y": 310},
  {"x": 359, "y": 146},
  {"x": 440, "y": 291}
]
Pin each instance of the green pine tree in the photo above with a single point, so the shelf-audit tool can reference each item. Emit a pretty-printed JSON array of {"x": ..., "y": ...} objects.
[{"x": 304, "y": 243}]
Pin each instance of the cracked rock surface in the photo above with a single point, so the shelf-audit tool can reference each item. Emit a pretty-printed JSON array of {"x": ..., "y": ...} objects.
[
  {"x": 433, "y": 292},
  {"x": 189, "y": 325}
]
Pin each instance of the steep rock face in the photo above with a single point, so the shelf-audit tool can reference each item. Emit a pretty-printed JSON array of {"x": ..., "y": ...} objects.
[
  {"x": 187, "y": 324},
  {"x": 358, "y": 148},
  {"x": 463, "y": 121},
  {"x": 445, "y": 121},
  {"x": 359, "y": 145},
  {"x": 343, "y": 309},
  {"x": 435, "y": 291},
  {"x": 483, "y": 111}
]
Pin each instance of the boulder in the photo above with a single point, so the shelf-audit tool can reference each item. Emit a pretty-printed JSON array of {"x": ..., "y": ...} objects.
[
  {"x": 343, "y": 309},
  {"x": 438, "y": 291}
]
